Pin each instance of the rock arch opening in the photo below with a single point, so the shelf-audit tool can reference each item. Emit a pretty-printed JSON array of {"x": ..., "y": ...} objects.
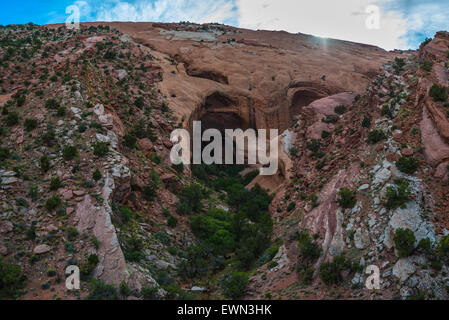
[{"x": 302, "y": 98}]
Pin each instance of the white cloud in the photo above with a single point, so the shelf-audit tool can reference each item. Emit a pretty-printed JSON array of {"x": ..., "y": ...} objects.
[
  {"x": 200, "y": 11},
  {"x": 342, "y": 19}
]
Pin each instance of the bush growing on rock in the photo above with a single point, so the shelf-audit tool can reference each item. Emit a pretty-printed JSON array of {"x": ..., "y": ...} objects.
[
  {"x": 98, "y": 290},
  {"x": 398, "y": 65},
  {"x": 149, "y": 192},
  {"x": 407, "y": 165},
  {"x": 309, "y": 252},
  {"x": 340, "y": 109},
  {"x": 190, "y": 199},
  {"x": 129, "y": 140},
  {"x": 72, "y": 233},
  {"x": 404, "y": 242},
  {"x": 12, "y": 280},
  {"x": 133, "y": 249},
  {"x": 439, "y": 94},
  {"x": 30, "y": 124},
  {"x": 330, "y": 119},
  {"x": 53, "y": 202},
  {"x": 375, "y": 136},
  {"x": 366, "y": 122},
  {"x": 52, "y": 104},
  {"x": 199, "y": 262},
  {"x": 397, "y": 196},
  {"x": 12, "y": 119},
  {"x": 126, "y": 214},
  {"x": 4, "y": 153},
  {"x": 69, "y": 153},
  {"x": 291, "y": 206},
  {"x": 55, "y": 183},
  {"x": 330, "y": 272},
  {"x": 346, "y": 198},
  {"x": 172, "y": 222},
  {"x": 44, "y": 162},
  {"x": 149, "y": 293},
  {"x": 314, "y": 146},
  {"x": 125, "y": 290},
  {"x": 101, "y": 148},
  {"x": 139, "y": 102},
  {"x": 96, "y": 175},
  {"x": 234, "y": 285},
  {"x": 425, "y": 245}
]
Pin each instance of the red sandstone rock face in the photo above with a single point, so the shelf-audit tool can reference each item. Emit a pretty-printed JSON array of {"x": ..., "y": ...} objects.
[{"x": 265, "y": 77}]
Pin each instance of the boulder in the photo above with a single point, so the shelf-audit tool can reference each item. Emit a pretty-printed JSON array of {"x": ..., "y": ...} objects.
[
  {"x": 42, "y": 248},
  {"x": 145, "y": 144},
  {"x": 403, "y": 269}
]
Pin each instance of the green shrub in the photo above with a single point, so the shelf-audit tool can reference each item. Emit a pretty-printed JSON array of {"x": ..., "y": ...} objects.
[
  {"x": 96, "y": 175},
  {"x": 69, "y": 153},
  {"x": 426, "y": 65},
  {"x": 129, "y": 140},
  {"x": 98, "y": 290},
  {"x": 190, "y": 199},
  {"x": 53, "y": 202},
  {"x": 12, "y": 119},
  {"x": 425, "y": 245},
  {"x": 30, "y": 124},
  {"x": 133, "y": 249},
  {"x": 366, "y": 122},
  {"x": 314, "y": 146},
  {"x": 407, "y": 165},
  {"x": 234, "y": 285},
  {"x": 198, "y": 262},
  {"x": 172, "y": 222},
  {"x": 12, "y": 280},
  {"x": 89, "y": 265},
  {"x": 215, "y": 229},
  {"x": 340, "y": 109},
  {"x": 375, "y": 136},
  {"x": 330, "y": 119},
  {"x": 443, "y": 247},
  {"x": 330, "y": 272},
  {"x": 325, "y": 134},
  {"x": 149, "y": 293},
  {"x": 387, "y": 111},
  {"x": 397, "y": 196},
  {"x": 44, "y": 162},
  {"x": 4, "y": 153},
  {"x": 72, "y": 233},
  {"x": 125, "y": 290},
  {"x": 61, "y": 111},
  {"x": 404, "y": 242},
  {"x": 291, "y": 206},
  {"x": 126, "y": 214},
  {"x": 52, "y": 104},
  {"x": 346, "y": 198},
  {"x": 309, "y": 252},
  {"x": 139, "y": 102},
  {"x": 55, "y": 183},
  {"x": 101, "y": 149},
  {"x": 149, "y": 192},
  {"x": 398, "y": 65},
  {"x": 438, "y": 93}
]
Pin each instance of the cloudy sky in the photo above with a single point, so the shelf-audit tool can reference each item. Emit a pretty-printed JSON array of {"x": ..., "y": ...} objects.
[{"x": 390, "y": 24}]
